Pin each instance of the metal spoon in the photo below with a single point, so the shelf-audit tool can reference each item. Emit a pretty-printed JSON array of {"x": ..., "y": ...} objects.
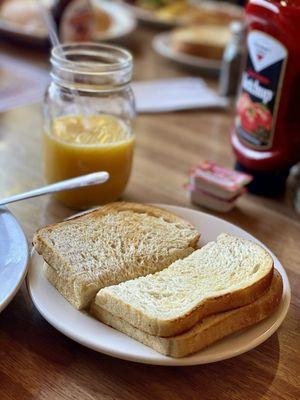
[{"x": 81, "y": 181}]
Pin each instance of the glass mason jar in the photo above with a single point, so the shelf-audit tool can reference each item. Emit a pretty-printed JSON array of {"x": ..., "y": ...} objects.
[{"x": 88, "y": 115}]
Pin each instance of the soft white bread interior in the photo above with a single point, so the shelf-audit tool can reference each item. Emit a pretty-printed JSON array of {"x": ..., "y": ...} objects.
[
  {"x": 205, "y": 332},
  {"x": 117, "y": 242},
  {"x": 222, "y": 275}
]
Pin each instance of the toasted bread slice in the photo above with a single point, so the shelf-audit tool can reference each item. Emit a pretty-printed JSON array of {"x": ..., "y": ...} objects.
[
  {"x": 117, "y": 242},
  {"x": 222, "y": 275},
  {"x": 207, "y": 41},
  {"x": 205, "y": 332}
]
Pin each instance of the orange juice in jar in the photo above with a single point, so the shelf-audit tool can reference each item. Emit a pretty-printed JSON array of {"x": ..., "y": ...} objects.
[
  {"x": 88, "y": 113},
  {"x": 77, "y": 146}
]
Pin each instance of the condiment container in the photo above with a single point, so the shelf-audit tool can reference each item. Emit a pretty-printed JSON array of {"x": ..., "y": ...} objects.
[
  {"x": 266, "y": 138},
  {"x": 216, "y": 187},
  {"x": 232, "y": 61}
]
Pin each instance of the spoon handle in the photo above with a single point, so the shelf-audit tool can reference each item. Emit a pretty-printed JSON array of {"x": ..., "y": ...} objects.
[{"x": 74, "y": 183}]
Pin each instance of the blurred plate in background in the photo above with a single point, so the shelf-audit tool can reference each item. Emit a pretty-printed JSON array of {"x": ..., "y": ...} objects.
[{"x": 162, "y": 45}]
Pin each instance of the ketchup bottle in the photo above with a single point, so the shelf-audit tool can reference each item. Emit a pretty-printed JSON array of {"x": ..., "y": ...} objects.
[{"x": 266, "y": 136}]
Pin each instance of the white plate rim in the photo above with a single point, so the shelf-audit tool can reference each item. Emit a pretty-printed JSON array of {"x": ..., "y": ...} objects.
[
  {"x": 23, "y": 266},
  {"x": 161, "y": 44},
  {"x": 185, "y": 361}
]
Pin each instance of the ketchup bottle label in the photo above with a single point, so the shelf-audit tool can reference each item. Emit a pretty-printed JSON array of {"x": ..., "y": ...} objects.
[{"x": 262, "y": 78}]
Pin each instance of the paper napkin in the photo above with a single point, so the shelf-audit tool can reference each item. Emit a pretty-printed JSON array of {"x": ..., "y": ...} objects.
[{"x": 175, "y": 94}]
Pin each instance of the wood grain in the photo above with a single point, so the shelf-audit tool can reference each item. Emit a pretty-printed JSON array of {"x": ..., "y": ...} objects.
[{"x": 37, "y": 362}]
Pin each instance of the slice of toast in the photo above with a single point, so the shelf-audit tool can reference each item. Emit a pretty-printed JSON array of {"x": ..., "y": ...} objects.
[
  {"x": 222, "y": 275},
  {"x": 206, "y": 40},
  {"x": 205, "y": 332},
  {"x": 117, "y": 242}
]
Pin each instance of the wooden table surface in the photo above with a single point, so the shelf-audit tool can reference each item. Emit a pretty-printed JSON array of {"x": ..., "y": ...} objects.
[{"x": 38, "y": 362}]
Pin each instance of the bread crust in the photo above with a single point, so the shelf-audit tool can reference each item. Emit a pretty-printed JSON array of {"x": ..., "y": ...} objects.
[
  {"x": 206, "y": 331},
  {"x": 118, "y": 207},
  {"x": 214, "y": 305},
  {"x": 229, "y": 301}
]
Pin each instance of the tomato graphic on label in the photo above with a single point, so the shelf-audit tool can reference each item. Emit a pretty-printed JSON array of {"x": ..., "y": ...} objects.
[
  {"x": 249, "y": 120},
  {"x": 243, "y": 102},
  {"x": 255, "y": 118},
  {"x": 264, "y": 116}
]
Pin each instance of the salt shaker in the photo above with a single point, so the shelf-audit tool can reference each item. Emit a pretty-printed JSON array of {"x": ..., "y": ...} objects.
[{"x": 232, "y": 61}]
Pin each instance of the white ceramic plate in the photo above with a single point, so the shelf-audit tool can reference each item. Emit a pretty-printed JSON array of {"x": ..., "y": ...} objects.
[
  {"x": 13, "y": 257},
  {"x": 91, "y": 333},
  {"x": 123, "y": 23},
  {"x": 162, "y": 45}
]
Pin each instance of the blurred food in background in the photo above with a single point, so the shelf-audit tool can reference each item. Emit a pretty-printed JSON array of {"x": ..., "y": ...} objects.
[
  {"x": 207, "y": 40},
  {"x": 212, "y": 12},
  {"x": 202, "y": 35},
  {"x": 197, "y": 37},
  {"x": 200, "y": 12},
  {"x": 179, "y": 12},
  {"x": 78, "y": 20},
  {"x": 25, "y": 14},
  {"x": 84, "y": 20},
  {"x": 92, "y": 20},
  {"x": 155, "y": 4},
  {"x": 206, "y": 32},
  {"x": 21, "y": 19}
]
